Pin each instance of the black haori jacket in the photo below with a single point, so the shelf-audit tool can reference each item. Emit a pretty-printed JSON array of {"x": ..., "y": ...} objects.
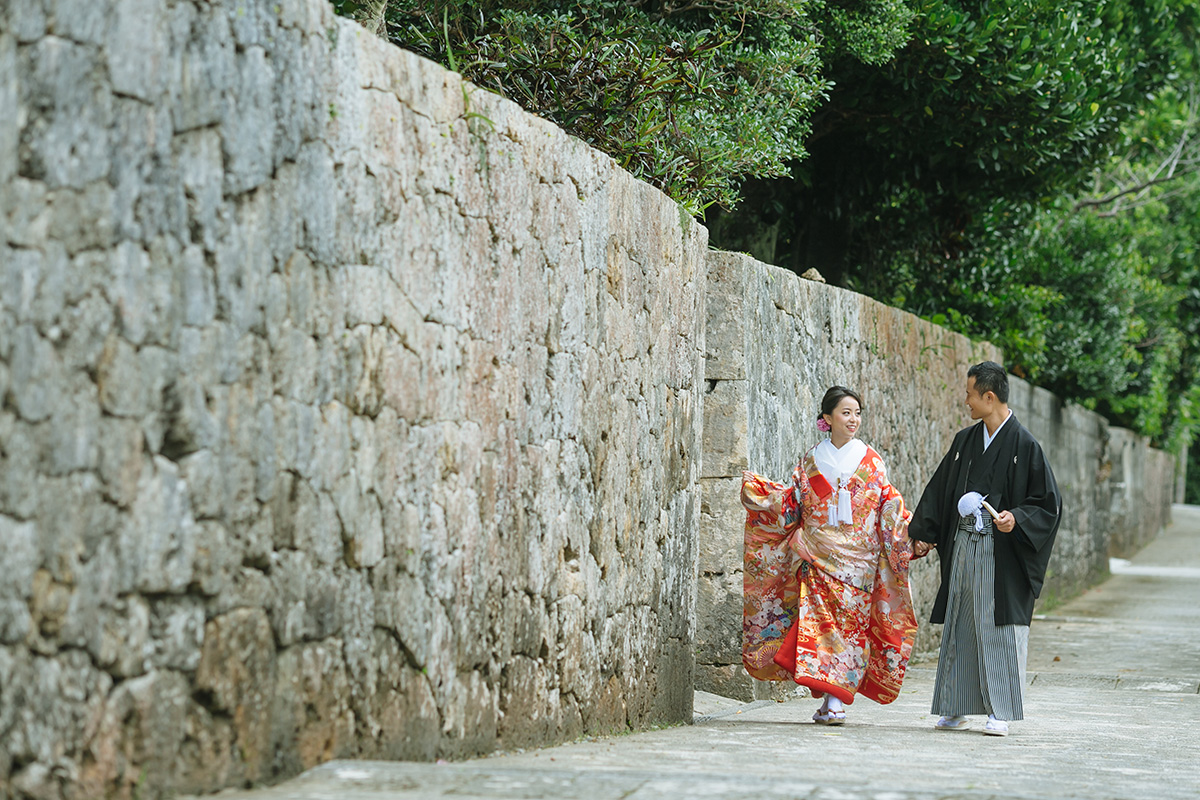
[{"x": 1013, "y": 475}]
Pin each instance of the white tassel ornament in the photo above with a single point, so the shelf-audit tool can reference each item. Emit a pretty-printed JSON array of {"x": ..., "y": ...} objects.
[{"x": 845, "y": 513}]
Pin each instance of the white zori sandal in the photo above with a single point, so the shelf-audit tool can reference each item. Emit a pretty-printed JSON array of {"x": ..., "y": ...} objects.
[
  {"x": 995, "y": 727},
  {"x": 830, "y": 712},
  {"x": 952, "y": 723}
]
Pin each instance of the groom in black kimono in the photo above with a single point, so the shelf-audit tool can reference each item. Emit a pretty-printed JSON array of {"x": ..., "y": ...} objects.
[{"x": 991, "y": 510}]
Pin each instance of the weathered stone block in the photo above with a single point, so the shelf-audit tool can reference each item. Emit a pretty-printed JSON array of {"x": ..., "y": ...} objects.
[
  {"x": 71, "y": 698},
  {"x": 419, "y": 622},
  {"x": 176, "y": 634},
  {"x": 300, "y": 113},
  {"x": 726, "y": 429},
  {"x": 158, "y": 545},
  {"x": 122, "y": 391},
  {"x": 37, "y": 379},
  {"x": 722, "y": 519},
  {"x": 305, "y": 599},
  {"x": 189, "y": 424},
  {"x": 356, "y": 607},
  {"x": 524, "y": 704},
  {"x": 362, "y": 292},
  {"x": 73, "y": 522},
  {"x": 217, "y": 557},
  {"x": 237, "y": 667},
  {"x": 84, "y": 219},
  {"x": 241, "y": 267},
  {"x": 319, "y": 211},
  {"x": 120, "y": 641},
  {"x": 79, "y": 20},
  {"x": 400, "y": 706},
  {"x": 18, "y": 549},
  {"x": 203, "y": 70},
  {"x": 71, "y": 113},
  {"x": 26, "y": 213},
  {"x": 363, "y": 353},
  {"x": 252, "y": 23},
  {"x": 248, "y": 121},
  {"x": 24, "y": 269},
  {"x": 199, "y": 288},
  {"x": 316, "y": 528},
  {"x": 364, "y": 547},
  {"x": 27, "y": 21},
  {"x": 732, "y": 681},
  {"x": 469, "y": 716},
  {"x": 311, "y": 720},
  {"x": 137, "y": 48},
  {"x": 141, "y": 731}
]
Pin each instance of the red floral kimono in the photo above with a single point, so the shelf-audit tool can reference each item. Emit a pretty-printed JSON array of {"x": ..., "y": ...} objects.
[{"x": 827, "y": 606}]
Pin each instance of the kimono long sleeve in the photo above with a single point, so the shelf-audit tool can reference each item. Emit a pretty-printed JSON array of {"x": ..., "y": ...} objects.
[
  {"x": 1037, "y": 509},
  {"x": 1040, "y": 509},
  {"x": 893, "y": 522},
  {"x": 769, "y": 587},
  {"x": 893, "y": 620}
]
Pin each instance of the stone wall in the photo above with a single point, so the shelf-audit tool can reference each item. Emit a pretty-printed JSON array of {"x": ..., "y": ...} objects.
[
  {"x": 346, "y": 411},
  {"x": 775, "y": 342},
  {"x": 1144, "y": 486}
]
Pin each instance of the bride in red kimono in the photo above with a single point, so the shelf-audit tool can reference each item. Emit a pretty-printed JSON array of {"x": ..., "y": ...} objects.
[{"x": 827, "y": 601}]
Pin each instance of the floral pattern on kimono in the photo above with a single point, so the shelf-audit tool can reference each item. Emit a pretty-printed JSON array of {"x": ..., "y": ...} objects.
[{"x": 827, "y": 606}]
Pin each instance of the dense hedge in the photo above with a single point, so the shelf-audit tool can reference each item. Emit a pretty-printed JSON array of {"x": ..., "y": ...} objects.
[{"x": 691, "y": 96}]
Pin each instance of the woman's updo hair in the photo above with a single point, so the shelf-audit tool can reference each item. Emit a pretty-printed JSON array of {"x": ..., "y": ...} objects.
[{"x": 834, "y": 396}]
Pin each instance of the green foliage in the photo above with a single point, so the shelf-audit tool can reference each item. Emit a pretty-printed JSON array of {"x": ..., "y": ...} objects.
[
  {"x": 1191, "y": 490},
  {"x": 1005, "y": 92},
  {"x": 1097, "y": 296},
  {"x": 870, "y": 31},
  {"x": 1014, "y": 100},
  {"x": 690, "y": 96}
]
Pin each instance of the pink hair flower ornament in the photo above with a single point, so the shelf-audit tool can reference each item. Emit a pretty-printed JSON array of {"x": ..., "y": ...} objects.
[{"x": 822, "y": 425}]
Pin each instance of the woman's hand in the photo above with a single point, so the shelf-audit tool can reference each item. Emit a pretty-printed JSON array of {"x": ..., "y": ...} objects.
[{"x": 921, "y": 549}]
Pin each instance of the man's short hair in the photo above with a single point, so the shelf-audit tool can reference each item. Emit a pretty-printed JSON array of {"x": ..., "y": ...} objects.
[{"x": 990, "y": 377}]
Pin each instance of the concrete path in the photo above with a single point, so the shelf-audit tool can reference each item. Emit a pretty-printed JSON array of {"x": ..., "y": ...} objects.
[{"x": 1112, "y": 713}]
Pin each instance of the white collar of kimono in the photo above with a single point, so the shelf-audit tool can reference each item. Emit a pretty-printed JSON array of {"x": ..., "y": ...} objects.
[
  {"x": 839, "y": 464},
  {"x": 987, "y": 437}
]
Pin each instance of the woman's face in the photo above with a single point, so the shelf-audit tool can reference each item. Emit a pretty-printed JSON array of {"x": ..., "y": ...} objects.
[{"x": 844, "y": 421}]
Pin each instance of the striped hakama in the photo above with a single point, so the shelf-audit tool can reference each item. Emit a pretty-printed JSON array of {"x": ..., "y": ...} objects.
[{"x": 981, "y": 666}]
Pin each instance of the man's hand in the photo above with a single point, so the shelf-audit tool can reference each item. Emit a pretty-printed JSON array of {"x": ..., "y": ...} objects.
[
  {"x": 1005, "y": 522},
  {"x": 921, "y": 549}
]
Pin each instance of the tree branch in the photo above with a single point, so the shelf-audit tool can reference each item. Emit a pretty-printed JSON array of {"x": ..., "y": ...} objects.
[{"x": 1093, "y": 202}]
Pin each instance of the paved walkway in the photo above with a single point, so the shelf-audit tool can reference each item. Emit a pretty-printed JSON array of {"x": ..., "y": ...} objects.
[{"x": 1113, "y": 713}]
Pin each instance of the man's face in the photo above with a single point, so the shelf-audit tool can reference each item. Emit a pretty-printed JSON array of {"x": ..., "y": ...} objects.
[{"x": 980, "y": 406}]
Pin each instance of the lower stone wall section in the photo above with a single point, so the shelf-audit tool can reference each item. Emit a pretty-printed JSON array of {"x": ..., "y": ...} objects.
[
  {"x": 1143, "y": 482},
  {"x": 776, "y": 342},
  {"x": 345, "y": 410}
]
